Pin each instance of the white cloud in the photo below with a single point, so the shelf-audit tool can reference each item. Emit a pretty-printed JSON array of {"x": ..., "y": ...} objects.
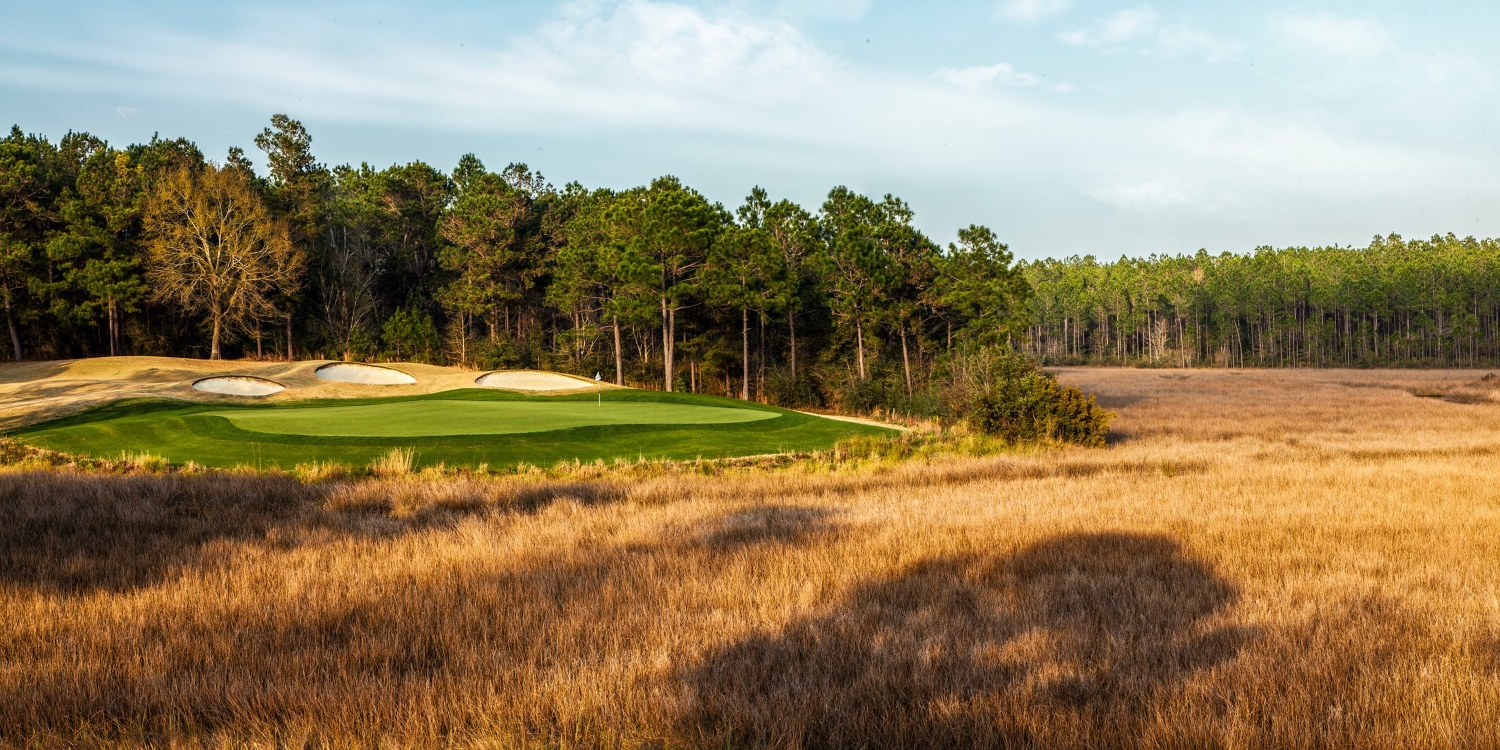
[
  {"x": 125, "y": 112},
  {"x": 1003, "y": 74},
  {"x": 1142, "y": 30},
  {"x": 1331, "y": 34},
  {"x": 758, "y": 97},
  {"x": 1372, "y": 56},
  {"x": 1148, "y": 195},
  {"x": 1031, "y": 11},
  {"x": 826, "y": 10},
  {"x": 669, "y": 48}
]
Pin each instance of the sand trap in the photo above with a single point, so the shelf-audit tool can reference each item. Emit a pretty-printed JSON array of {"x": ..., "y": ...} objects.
[
  {"x": 238, "y": 385},
  {"x": 523, "y": 380},
  {"x": 344, "y": 372}
]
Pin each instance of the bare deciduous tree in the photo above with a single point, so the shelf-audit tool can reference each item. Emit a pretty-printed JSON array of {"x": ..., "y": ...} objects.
[{"x": 216, "y": 249}]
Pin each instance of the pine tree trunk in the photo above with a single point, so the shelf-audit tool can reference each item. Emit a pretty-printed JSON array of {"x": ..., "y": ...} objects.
[
  {"x": 619, "y": 361},
  {"x": 213, "y": 351},
  {"x": 114, "y": 328},
  {"x": 761, "y": 359},
  {"x": 291, "y": 348},
  {"x": 15, "y": 336},
  {"x": 905, "y": 359},
  {"x": 668, "y": 330},
  {"x": 745, "y": 351},
  {"x": 258, "y": 354},
  {"x": 791, "y": 325},
  {"x": 859, "y": 338}
]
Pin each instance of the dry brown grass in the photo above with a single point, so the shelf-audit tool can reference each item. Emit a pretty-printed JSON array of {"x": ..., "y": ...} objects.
[{"x": 1262, "y": 559}]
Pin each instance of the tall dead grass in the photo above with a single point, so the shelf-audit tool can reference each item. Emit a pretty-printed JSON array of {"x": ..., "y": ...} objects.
[{"x": 1270, "y": 559}]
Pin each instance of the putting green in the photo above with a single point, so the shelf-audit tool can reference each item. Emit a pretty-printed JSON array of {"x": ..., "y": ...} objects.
[
  {"x": 457, "y": 428},
  {"x": 432, "y": 418}
]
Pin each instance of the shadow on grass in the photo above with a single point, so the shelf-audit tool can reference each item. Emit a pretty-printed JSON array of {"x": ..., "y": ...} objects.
[
  {"x": 951, "y": 651},
  {"x": 773, "y": 524},
  {"x": 22, "y": 372},
  {"x": 353, "y": 666},
  {"x": 71, "y": 533}
]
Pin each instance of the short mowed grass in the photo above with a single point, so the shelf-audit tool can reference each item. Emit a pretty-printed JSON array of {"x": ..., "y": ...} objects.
[{"x": 456, "y": 428}]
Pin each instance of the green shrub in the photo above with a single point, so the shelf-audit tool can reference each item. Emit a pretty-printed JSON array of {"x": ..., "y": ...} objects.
[
  {"x": 1003, "y": 394},
  {"x": 783, "y": 391},
  {"x": 410, "y": 334},
  {"x": 499, "y": 354}
]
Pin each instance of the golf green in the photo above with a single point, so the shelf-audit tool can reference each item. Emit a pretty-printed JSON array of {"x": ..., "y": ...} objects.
[
  {"x": 461, "y": 427},
  {"x": 425, "y": 418}
]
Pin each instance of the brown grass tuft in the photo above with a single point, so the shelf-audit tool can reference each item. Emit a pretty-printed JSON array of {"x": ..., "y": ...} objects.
[{"x": 398, "y": 462}]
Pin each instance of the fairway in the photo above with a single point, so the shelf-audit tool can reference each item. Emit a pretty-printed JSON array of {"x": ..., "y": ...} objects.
[
  {"x": 465, "y": 427},
  {"x": 429, "y": 418}
]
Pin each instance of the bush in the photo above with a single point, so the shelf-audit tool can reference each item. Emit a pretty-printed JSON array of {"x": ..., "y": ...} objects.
[
  {"x": 499, "y": 354},
  {"x": 782, "y": 390},
  {"x": 410, "y": 333},
  {"x": 1005, "y": 395}
]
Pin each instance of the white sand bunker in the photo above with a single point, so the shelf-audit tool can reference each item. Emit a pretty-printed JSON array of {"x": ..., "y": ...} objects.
[
  {"x": 345, "y": 372},
  {"x": 238, "y": 385},
  {"x": 523, "y": 380}
]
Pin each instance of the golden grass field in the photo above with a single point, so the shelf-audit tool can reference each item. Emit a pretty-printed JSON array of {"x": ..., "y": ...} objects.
[{"x": 1298, "y": 559}]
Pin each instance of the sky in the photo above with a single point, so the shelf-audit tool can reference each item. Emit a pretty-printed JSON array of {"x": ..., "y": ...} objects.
[{"x": 1070, "y": 127}]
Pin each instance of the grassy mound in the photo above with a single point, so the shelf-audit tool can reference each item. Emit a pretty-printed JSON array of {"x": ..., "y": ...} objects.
[{"x": 462, "y": 427}]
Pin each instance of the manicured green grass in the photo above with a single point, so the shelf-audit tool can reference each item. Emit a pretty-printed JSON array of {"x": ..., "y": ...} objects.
[
  {"x": 463, "y": 427},
  {"x": 430, "y": 418}
]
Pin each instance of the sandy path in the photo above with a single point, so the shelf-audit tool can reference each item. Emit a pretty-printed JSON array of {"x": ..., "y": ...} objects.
[{"x": 857, "y": 420}]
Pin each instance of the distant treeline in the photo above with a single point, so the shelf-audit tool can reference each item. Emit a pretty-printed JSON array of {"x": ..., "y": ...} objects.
[{"x": 1396, "y": 302}]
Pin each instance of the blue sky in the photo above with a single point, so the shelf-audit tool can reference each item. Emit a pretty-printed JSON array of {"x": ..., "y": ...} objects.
[{"x": 1068, "y": 126}]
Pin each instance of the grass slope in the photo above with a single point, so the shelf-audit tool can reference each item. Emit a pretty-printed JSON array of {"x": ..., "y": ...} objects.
[{"x": 208, "y": 434}]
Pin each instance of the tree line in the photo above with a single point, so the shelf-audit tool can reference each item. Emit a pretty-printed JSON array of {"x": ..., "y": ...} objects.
[
  {"x": 155, "y": 249},
  {"x": 1433, "y": 302}
]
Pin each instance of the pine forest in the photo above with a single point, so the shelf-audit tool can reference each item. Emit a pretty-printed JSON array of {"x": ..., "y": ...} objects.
[{"x": 155, "y": 249}]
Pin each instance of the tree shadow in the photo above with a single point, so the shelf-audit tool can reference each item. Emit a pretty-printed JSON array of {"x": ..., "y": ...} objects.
[
  {"x": 71, "y": 533},
  {"x": 772, "y": 524},
  {"x": 1117, "y": 401},
  {"x": 957, "y": 650},
  {"x": 23, "y": 372},
  {"x": 488, "y": 628}
]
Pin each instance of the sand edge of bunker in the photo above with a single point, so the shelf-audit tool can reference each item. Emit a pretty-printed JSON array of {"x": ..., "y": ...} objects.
[
  {"x": 360, "y": 373},
  {"x": 538, "y": 381},
  {"x": 238, "y": 385}
]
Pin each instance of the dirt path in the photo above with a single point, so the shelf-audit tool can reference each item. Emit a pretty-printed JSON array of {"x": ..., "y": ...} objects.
[{"x": 856, "y": 420}]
